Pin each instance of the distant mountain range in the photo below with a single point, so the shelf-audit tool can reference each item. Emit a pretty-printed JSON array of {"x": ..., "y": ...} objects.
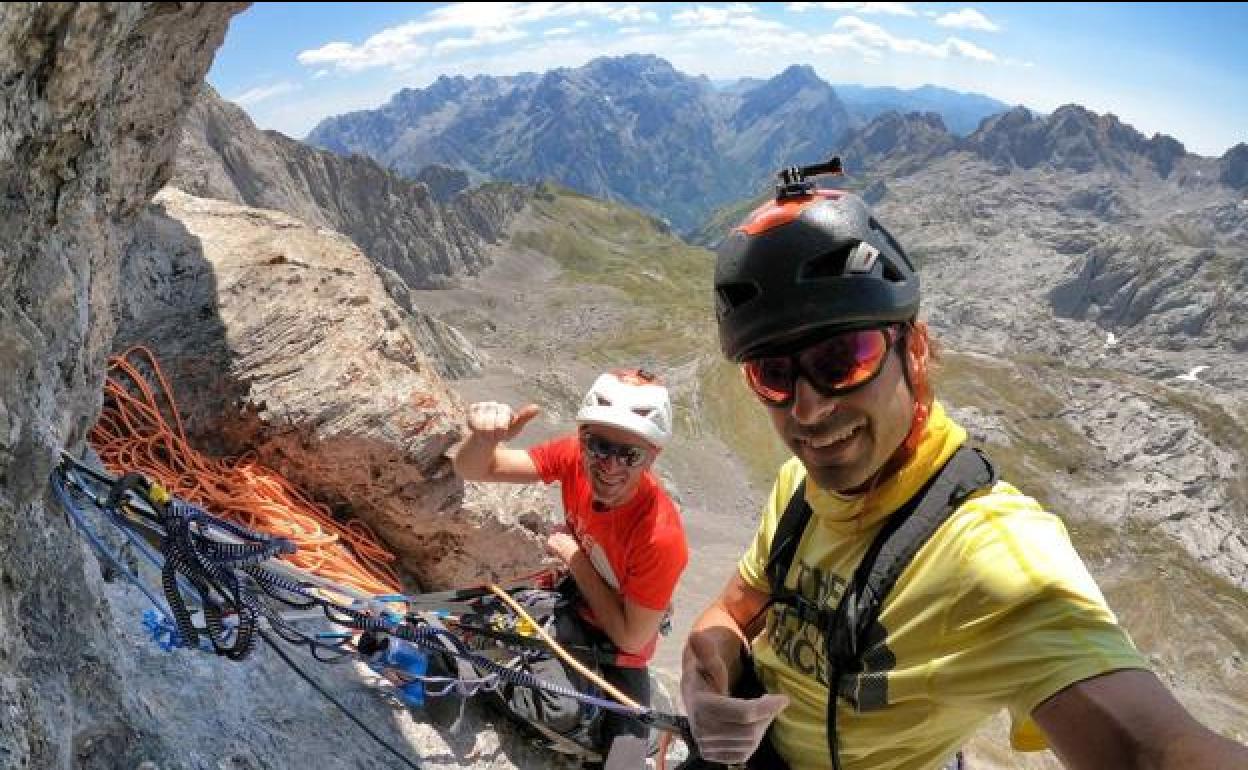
[
  {"x": 630, "y": 128},
  {"x": 961, "y": 112},
  {"x": 634, "y": 129}
]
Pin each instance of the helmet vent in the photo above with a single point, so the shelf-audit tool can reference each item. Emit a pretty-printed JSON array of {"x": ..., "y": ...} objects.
[
  {"x": 735, "y": 295},
  {"x": 830, "y": 265}
]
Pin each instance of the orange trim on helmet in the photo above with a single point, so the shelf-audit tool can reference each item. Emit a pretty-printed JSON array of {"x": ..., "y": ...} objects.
[{"x": 774, "y": 213}]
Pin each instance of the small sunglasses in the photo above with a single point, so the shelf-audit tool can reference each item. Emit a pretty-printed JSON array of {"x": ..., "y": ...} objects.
[
  {"x": 601, "y": 450},
  {"x": 834, "y": 366}
]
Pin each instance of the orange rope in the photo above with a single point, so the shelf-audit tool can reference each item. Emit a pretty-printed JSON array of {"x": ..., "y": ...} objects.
[{"x": 134, "y": 434}]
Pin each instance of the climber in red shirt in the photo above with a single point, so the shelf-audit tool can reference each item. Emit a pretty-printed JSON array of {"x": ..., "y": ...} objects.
[{"x": 622, "y": 542}]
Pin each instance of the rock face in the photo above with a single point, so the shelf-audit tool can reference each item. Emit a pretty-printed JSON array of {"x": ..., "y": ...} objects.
[
  {"x": 89, "y": 112},
  {"x": 444, "y": 182},
  {"x": 1233, "y": 167},
  {"x": 1072, "y": 139},
  {"x": 333, "y": 381},
  {"x": 918, "y": 137},
  {"x": 760, "y": 134},
  {"x": 1175, "y": 293},
  {"x": 89, "y": 109},
  {"x": 423, "y": 238}
]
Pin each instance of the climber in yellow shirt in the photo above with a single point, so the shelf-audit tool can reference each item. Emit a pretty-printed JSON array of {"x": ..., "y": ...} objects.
[{"x": 987, "y": 607}]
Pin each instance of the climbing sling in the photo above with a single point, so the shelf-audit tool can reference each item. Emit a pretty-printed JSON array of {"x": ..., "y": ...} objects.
[{"x": 846, "y": 629}]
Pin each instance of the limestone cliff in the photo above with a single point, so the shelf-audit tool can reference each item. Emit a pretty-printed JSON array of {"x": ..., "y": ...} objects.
[
  {"x": 399, "y": 223},
  {"x": 280, "y": 338}
]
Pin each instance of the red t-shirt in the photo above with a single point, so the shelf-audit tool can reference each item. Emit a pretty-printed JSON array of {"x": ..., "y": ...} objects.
[{"x": 639, "y": 548}]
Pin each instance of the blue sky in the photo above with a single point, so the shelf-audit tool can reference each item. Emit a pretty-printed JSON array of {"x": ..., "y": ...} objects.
[{"x": 1170, "y": 68}]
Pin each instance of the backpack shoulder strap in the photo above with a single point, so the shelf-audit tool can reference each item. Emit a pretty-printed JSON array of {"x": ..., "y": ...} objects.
[
  {"x": 786, "y": 538},
  {"x": 906, "y": 531}
]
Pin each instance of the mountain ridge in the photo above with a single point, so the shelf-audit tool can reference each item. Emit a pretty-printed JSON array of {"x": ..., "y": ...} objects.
[{"x": 635, "y": 129}]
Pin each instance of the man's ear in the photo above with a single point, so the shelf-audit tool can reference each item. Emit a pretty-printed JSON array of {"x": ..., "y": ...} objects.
[
  {"x": 918, "y": 351},
  {"x": 918, "y": 361}
]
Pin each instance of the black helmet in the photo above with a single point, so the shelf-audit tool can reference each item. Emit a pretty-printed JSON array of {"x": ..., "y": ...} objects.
[{"x": 808, "y": 262}]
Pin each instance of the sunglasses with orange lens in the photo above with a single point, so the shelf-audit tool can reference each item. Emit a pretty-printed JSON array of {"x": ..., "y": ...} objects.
[{"x": 833, "y": 366}]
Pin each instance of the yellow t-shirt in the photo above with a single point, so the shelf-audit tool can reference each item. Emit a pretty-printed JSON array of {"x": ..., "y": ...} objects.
[{"x": 995, "y": 611}]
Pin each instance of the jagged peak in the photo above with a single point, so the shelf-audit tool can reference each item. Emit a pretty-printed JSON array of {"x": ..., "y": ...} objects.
[
  {"x": 800, "y": 75},
  {"x": 924, "y": 119},
  {"x": 910, "y": 136},
  {"x": 1072, "y": 137},
  {"x": 1010, "y": 119},
  {"x": 1076, "y": 111},
  {"x": 793, "y": 79},
  {"x": 1238, "y": 151},
  {"x": 1233, "y": 167},
  {"x": 633, "y": 62}
]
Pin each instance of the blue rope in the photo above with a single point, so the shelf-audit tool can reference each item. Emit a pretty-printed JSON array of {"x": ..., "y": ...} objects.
[{"x": 164, "y": 630}]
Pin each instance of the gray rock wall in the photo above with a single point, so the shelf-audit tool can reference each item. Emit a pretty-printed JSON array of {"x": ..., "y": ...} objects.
[{"x": 90, "y": 99}]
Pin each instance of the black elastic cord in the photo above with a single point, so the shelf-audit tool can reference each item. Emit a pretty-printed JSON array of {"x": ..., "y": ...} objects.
[{"x": 303, "y": 675}]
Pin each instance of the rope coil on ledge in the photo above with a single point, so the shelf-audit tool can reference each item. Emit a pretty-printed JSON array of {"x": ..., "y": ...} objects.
[{"x": 140, "y": 429}]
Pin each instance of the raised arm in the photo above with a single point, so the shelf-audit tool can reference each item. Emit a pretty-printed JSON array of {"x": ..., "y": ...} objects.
[
  {"x": 1128, "y": 719},
  {"x": 482, "y": 457}
]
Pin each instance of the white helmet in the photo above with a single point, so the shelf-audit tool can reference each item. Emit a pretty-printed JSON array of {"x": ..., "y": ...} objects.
[{"x": 630, "y": 399}]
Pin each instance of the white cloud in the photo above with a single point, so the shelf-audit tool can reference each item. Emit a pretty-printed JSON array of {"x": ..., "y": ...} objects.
[
  {"x": 884, "y": 9},
  {"x": 376, "y": 52},
  {"x": 404, "y": 46},
  {"x": 967, "y": 18},
  {"x": 841, "y": 41},
  {"x": 888, "y": 9},
  {"x": 259, "y": 94},
  {"x": 969, "y": 50},
  {"x": 738, "y": 16},
  {"x": 626, "y": 14},
  {"x": 479, "y": 38},
  {"x": 558, "y": 32},
  {"x": 874, "y": 36}
]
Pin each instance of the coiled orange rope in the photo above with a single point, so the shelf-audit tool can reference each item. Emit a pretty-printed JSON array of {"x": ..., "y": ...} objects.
[{"x": 134, "y": 434}]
